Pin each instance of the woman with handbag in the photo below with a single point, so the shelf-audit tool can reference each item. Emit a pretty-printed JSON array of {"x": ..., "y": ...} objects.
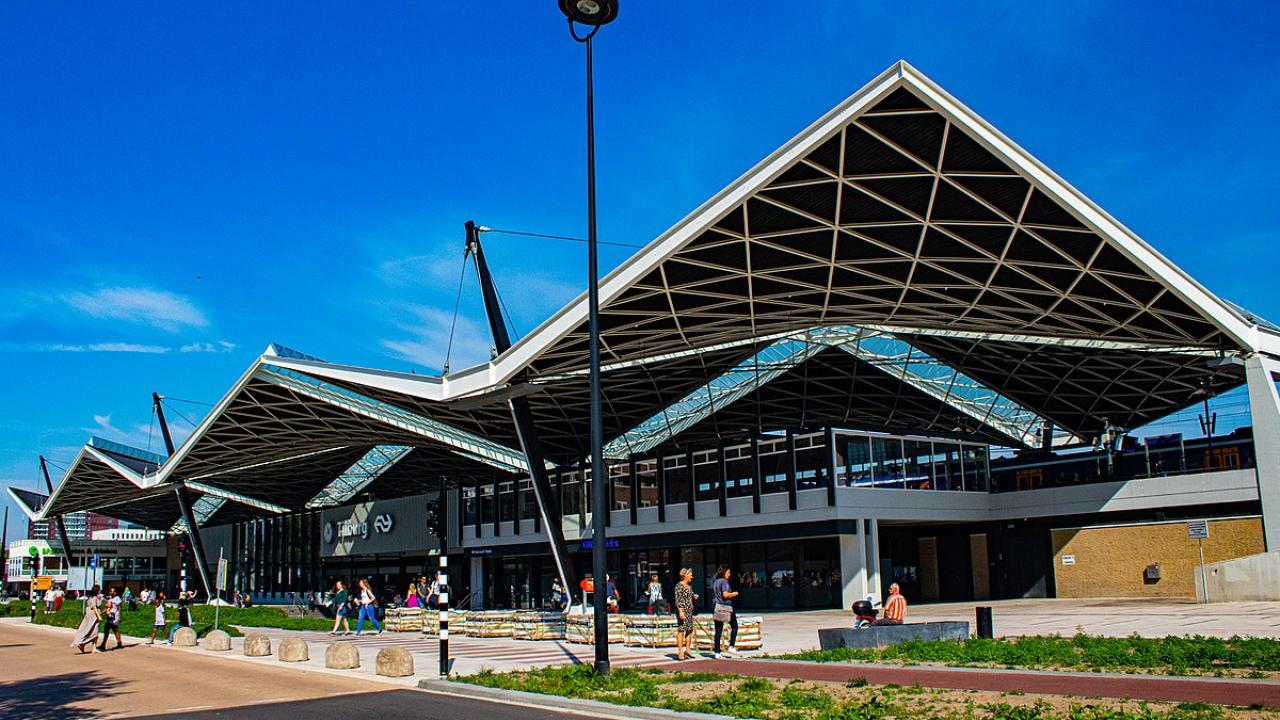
[
  {"x": 685, "y": 598},
  {"x": 722, "y": 595}
]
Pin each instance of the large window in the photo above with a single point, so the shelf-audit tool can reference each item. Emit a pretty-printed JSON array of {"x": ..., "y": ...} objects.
[
  {"x": 917, "y": 464},
  {"x": 773, "y": 465},
  {"x": 706, "y": 475},
  {"x": 888, "y": 470},
  {"x": 738, "y": 471},
  {"x": 620, "y": 482},
  {"x": 976, "y": 472},
  {"x": 854, "y": 459},
  {"x": 812, "y": 459},
  {"x": 677, "y": 478},
  {"x": 647, "y": 471}
]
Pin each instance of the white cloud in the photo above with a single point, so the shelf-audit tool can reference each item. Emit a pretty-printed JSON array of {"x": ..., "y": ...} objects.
[
  {"x": 221, "y": 346},
  {"x": 140, "y": 435},
  {"x": 158, "y": 308},
  {"x": 428, "y": 340}
]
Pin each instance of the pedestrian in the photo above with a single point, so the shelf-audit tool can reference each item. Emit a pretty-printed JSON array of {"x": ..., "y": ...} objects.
[
  {"x": 49, "y": 596},
  {"x": 184, "y": 614},
  {"x": 558, "y": 597},
  {"x": 158, "y": 625},
  {"x": 58, "y": 596},
  {"x": 368, "y": 608},
  {"x": 411, "y": 597},
  {"x": 433, "y": 592},
  {"x": 685, "y": 598},
  {"x": 340, "y": 609},
  {"x": 611, "y": 593},
  {"x": 236, "y": 599},
  {"x": 657, "y": 603},
  {"x": 111, "y": 611},
  {"x": 129, "y": 598},
  {"x": 87, "y": 633},
  {"x": 722, "y": 595}
]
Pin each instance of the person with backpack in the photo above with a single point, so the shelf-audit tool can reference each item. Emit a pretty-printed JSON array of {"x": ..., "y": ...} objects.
[{"x": 368, "y": 608}]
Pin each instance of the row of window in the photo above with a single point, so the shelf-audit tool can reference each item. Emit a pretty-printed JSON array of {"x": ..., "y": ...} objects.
[{"x": 860, "y": 460}]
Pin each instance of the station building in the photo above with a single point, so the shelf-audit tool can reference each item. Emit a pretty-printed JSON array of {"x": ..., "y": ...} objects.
[{"x": 898, "y": 349}]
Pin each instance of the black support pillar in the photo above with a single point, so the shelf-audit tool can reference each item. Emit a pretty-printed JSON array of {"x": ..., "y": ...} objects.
[
  {"x": 634, "y": 477},
  {"x": 693, "y": 488},
  {"x": 722, "y": 472},
  {"x": 660, "y": 476},
  {"x": 792, "y": 486},
  {"x": 67, "y": 551},
  {"x": 830, "y": 435},
  {"x": 757, "y": 476}
]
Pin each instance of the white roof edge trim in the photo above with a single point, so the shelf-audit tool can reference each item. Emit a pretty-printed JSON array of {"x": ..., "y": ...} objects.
[
  {"x": 426, "y": 387},
  {"x": 174, "y": 460},
  {"x": 26, "y": 509},
  {"x": 574, "y": 314},
  {"x": 125, "y": 473},
  {"x": 1212, "y": 308}
]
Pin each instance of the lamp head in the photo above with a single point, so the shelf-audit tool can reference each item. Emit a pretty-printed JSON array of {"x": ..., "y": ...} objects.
[{"x": 590, "y": 12}]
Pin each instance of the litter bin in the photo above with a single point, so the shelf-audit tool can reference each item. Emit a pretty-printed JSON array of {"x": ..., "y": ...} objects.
[{"x": 986, "y": 629}]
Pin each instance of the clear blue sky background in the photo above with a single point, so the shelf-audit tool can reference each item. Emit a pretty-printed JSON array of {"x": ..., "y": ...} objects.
[{"x": 179, "y": 188}]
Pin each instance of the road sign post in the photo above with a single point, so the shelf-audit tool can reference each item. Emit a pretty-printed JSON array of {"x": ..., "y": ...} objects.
[
  {"x": 1198, "y": 530},
  {"x": 219, "y": 585}
]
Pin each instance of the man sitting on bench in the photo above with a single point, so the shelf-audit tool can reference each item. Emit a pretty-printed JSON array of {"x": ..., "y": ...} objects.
[{"x": 895, "y": 608}]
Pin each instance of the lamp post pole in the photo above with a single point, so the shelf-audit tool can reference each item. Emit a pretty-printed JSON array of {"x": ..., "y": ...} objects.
[{"x": 594, "y": 14}]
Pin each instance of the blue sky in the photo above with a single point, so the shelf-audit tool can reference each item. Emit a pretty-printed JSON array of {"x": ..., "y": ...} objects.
[{"x": 179, "y": 188}]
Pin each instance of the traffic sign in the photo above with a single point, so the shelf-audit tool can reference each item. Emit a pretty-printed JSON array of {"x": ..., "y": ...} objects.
[
  {"x": 44, "y": 582},
  {"x": 1198, "y": 529},
  {"x": 222, "y": 574}
]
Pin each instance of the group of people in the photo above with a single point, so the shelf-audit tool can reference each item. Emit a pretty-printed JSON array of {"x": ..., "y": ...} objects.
[
  {"x": 723, "y": 613},
  {"x": 365, "y": 602},
  {"x": 53, "y": 598},
  {"x": 104, "y": 613}
]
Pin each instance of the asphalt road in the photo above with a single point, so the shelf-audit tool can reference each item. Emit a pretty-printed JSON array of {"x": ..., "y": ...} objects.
[
  {"x": 389, "y": 705},
  {"x": 41, "y": 677}
]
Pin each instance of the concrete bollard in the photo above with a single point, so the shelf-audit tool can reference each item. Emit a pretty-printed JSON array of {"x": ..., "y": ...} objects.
[
  {"x": 395, "y": 662},
  {"x": 342, "y": 655},
  {"x": 184, "y": 637},
  {"x": 217, "y": 640},
  {"x": 257, "y": 645},
  {"x": 293, "y": 650}
]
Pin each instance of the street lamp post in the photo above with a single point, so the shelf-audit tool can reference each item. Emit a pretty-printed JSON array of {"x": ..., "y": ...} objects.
[{"x": 593, "y": 14}]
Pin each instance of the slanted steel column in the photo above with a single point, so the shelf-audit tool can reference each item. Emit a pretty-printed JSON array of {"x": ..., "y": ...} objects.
[
  {"x": 1264, "y": 410},
  {"x": 184, "y": 502},
  {"x": 523, "y": 417},
  {"x": 62, "y": 527},
  {"x": 793, "y": 489}
]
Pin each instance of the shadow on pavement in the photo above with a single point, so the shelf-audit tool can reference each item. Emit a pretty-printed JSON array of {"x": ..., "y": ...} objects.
[{"x": 53, "y": 696}]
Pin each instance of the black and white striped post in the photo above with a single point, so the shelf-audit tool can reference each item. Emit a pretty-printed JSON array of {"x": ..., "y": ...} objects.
[{"x": 443, "y": 580}]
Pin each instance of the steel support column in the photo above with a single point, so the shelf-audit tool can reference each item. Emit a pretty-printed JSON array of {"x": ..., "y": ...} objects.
[
  {"x": 184, "y": 501},
  {"x": 62, "y": 526},
  {"x": 722, "y": 471},
  {"x": 693, "y": 488},
  {"x": 526, "y": 431},
  {"x": 660, "y": 475},
  {"x": 830, "y": 434},
  {"x": 757, "y": 474},
  {"x": 793, "y": 489},
  {"x": 1264, "y": 409},
  {"x": 634, "y": 477}
]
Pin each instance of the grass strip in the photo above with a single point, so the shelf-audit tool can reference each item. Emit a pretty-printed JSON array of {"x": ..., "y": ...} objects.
[{"x": 1171, "y": 655}]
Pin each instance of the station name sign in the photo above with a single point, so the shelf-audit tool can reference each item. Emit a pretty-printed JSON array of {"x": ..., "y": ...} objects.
[{"x": 380, "y": 526}]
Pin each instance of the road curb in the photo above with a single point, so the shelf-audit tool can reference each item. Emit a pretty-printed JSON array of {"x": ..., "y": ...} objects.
[{"x": 593, "y": 708}]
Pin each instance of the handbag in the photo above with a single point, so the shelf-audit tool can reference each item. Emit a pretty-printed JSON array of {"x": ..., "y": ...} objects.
[{"x": 723, "y": 613}]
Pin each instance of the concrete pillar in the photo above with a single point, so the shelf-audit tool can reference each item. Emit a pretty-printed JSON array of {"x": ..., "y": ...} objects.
[
  {"x": 1264, "y": 407},
  {"x": 477, "y": 583},
  {"x": 853, "y": 569},
  {"x": 873, "y": 559}
]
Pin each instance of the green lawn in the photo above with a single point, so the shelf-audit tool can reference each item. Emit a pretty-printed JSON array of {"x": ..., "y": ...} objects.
[
  {"x": 735, "y": 696},
  {"x": 138, "y": 623},
  {"x": 1172, "y": 655}
]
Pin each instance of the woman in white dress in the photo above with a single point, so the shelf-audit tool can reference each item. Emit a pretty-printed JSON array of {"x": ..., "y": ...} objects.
[{"x": 87, "y": 633}]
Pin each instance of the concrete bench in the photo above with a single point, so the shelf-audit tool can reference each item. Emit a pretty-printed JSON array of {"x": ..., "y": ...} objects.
[{"x": 878, "y": 636}]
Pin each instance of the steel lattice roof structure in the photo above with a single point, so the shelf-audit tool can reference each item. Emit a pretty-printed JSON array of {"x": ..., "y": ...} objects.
[{"x": 900, "y": 264}]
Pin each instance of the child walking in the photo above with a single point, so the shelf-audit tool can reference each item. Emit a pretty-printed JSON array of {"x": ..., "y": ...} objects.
[{"x": 157, "y": 628}]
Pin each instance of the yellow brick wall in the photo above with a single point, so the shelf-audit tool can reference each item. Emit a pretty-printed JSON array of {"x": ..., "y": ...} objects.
[{"x": 1109, "y": 561}]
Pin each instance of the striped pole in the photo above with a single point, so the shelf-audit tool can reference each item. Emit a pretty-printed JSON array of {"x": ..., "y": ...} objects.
[{"x": 443, "y": 579}]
